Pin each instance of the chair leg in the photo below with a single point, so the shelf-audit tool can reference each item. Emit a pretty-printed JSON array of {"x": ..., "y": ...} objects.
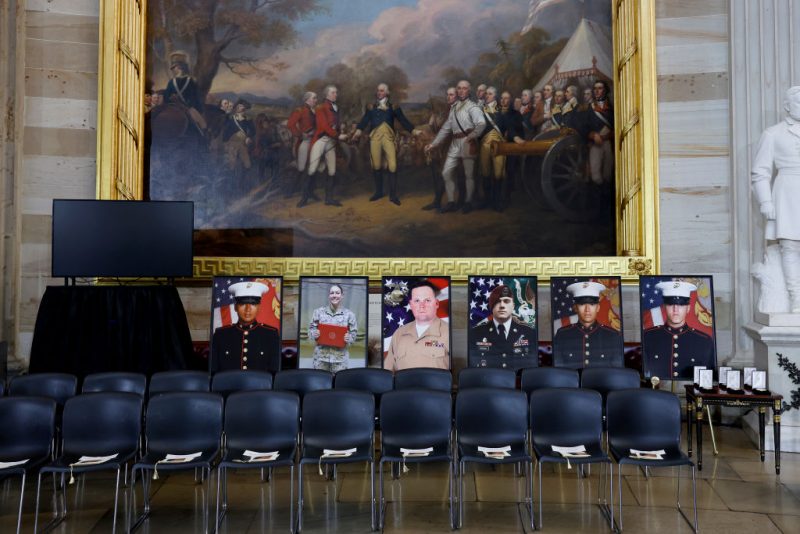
[
  {"x": 530, "y": 493},
  {"x": 619, "y": 490},
  {"x": 22, "y": 495},
  {"x": 116, "y": 501},
  {"x": 373, "y": 522},
  {"x": 451, "y": 489},
  {"x": 300, "y": 498},
  {"x": 381, "y": 504},
  {"x": 461, "y": 494},
  {"x": 291, "y": 499},
  {"x": 217, "y": 516},
  {"x": 694, "y": 497},
  {"x": 539, "y": 465}
]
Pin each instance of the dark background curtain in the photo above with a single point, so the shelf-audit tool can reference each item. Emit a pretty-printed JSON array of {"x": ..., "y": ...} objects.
[{"x": 91, "y": 329}]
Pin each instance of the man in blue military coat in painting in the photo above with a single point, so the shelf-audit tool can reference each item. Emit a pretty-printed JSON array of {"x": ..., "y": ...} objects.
[
  {"x": 587, "y": 343},
  {"x": 380, "y": 118},
  {"x": 673, "y": 349},
  {"x": 246, "y": 344},
  {"x": 503, "y": 341}
]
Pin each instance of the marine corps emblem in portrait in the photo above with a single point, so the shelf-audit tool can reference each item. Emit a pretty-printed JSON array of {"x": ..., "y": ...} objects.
[
  {"x": 587, "y": 322},
  {"x": 503, "y": 322},
  {"x": 678, "y": 326}
]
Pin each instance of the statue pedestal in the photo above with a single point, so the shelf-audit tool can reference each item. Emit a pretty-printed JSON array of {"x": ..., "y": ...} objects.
[{"x": 776, "y": 333}]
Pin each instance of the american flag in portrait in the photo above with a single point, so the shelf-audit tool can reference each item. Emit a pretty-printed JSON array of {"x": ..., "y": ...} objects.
[
  {"x": 523, "y": 289},
  {"x": 563, "y": 314},
  {"x": 701, "y": 305},
  {"x": 397, "y": 310},
  {"x": 223, "y": 311}
]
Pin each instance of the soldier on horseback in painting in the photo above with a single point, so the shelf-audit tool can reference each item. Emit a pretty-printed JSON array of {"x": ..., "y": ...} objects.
[{"x": 182, "y": 89}]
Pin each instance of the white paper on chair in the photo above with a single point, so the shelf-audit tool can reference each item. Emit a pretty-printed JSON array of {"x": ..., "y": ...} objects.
[
  {"x": 648, "y": 455},
  {"x": 6, "y": 465},
  {"x": 578, "y": 451},
  {"x": 93, "y": 460},
  {"x": 333, "y": 453},
  {"x": 496, "y": 452},
  {"x": 254, "y": 456},
  {"x": 180, "y": 458},
  {"x": 413, "y": 453}
]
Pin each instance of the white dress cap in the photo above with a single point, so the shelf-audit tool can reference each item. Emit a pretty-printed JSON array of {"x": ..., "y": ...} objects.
[
  {"x": 247, "y": 289},
  {"x": 676, "y": 288},
  {"x": 586, "y": 289}
]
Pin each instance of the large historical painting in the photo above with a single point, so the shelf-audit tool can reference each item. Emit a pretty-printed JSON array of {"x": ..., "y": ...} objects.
[{"x": 231, "y": 86}]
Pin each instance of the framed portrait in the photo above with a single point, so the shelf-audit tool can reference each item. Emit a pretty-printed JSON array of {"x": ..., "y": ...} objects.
[
  {"x": 587, "y": 322},
  {"x": 678, "y": 327},
  {"x": 333, "y": 322},
  {"x": 246, "y": 323},
  {"x": 415, "y": 322},
  {"x": 224, "y": 130},
  {"x": 503, "y": 322}
]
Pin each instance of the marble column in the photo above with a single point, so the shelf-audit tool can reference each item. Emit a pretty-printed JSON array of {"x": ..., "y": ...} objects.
[{"x": 765, "y": 36}]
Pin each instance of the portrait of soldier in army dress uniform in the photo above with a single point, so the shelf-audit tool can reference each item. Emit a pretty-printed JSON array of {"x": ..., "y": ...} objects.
[
  {"x": 246, "y": 324},
  {"x": 677, "y": 325},
  {"x": 503, "y": 322},
  {"x": 332, "y": 334},
  {"x": 587, "y": 322}
]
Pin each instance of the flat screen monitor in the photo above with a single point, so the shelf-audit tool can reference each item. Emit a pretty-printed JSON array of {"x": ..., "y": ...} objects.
[{"x": 122, "y": 238}]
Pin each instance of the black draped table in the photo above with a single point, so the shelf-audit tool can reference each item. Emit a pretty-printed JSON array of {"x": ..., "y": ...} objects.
[{"x": 92, "y": 329}]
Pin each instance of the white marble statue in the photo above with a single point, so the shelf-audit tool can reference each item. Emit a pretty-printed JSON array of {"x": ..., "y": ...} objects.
[
  {"x": 773, "y": 297},
  {"x": 779, "y": 202}
]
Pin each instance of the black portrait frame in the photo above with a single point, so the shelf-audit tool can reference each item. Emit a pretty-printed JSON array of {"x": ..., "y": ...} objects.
[
  {"x": 646, "y": 364},
  {"x": 473, "y": 355},
  {"x": 300, "y": 309},
  {"x": 246, "y": 278},
  {"x": 384, "y": 307}
]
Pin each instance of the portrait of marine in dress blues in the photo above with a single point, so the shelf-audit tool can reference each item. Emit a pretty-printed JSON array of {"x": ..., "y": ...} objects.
[
  {"x": 587, "y": 322},
  {"x": 678, "y": 330}
]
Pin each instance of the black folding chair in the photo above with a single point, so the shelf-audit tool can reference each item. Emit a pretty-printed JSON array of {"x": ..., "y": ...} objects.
[
  {"x": 535, "y": 378},
  {"x": 487, "y": 420},
  {"x": 425, "y": 378},
  {"x": 119, "y": 382},
  {"x": 370, "y": 379},
  {"x": 182, "y": 423},
  {"x": 227, "y": 382},
  {"x": 647, "y": 420},
  {"x": 570, "y": 418},
  {"x": 95, "y": 426},
  {"x": 337, "y": 427},
  {"x": 56, "y": 386},
  {"x": 27, "y": 430},
  {"x": 303, "y": 381},
  {"x": 416, "y": 427},
  {"x": 604, "y": 380},
  {"x": 486, "y": 377},
  {"x": 174, "y": 381},
  {"x": 263, "y": 422}
]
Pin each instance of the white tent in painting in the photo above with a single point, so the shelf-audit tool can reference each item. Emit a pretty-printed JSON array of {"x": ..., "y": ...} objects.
[{"x": 586, "y": 57}]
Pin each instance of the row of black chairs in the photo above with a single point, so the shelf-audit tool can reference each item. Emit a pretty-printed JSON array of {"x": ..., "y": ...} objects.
[
  {"x": 337, "y": 426},
  {"x": 61, "y": 386}
]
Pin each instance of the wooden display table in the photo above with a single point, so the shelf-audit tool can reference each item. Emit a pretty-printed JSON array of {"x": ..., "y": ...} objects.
[{"x": 697, "y": 398}]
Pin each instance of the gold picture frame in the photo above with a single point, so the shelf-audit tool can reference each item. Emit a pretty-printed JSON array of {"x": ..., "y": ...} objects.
[{"x": 121, "y": 142}]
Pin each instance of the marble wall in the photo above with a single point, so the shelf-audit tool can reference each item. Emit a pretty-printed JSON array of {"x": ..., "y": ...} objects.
[{"x": 58, "y": 146}]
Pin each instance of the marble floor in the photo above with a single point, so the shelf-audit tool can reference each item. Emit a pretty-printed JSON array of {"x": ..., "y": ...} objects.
[{"x": 735, "y": 493}]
